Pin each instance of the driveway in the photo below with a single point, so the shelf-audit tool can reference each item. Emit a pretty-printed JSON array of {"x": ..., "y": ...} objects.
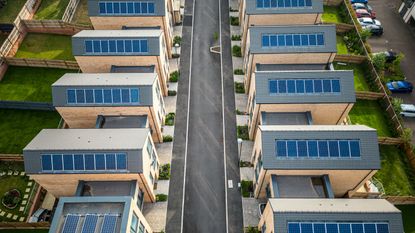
[{"x": 398, "y": 37}]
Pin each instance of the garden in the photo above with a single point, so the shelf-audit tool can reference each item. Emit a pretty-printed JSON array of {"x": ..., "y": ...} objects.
[
  {"x": 51, "y": 9},
  {"x": 10, "y": 10},
  {"x": 29, "y": 83},
  {"x": 19, "y": 127},
  {"x": 408, "y": 213},
  {"x": 3, "y": 37},
  {"x": 46, "y": 46},
  {"x": 81, "y": 14},
  {"x": 360, "y": 75},
  {"x": 336, "y": 14}
]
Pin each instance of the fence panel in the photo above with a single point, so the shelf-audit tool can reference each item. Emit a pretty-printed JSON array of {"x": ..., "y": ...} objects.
[
  {"x": 24, "y": 225},
  {"x": 368, "y": 95},
  {"x": 356, "y": 59},
  {"x": 26, "y": 105},
  {"x": 390, "y": 141},
  {"x": 11, "y": 157},
  {"x": 70, "y": 10},
  {"x": 73, "y": 65},
  {"x": 400, "y": 200},
  {"x": 54, "y": 27}
]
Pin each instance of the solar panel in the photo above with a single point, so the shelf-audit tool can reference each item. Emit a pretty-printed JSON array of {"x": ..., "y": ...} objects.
[
  {"x": 109, "y": 224},
  {"x": 299, "y": 86},
  {"x": 333, "y": 227},
  {"x": 90, "y": 223},
  {"x": 297, "y": 40},
  {"x": 71, "y": 223}
]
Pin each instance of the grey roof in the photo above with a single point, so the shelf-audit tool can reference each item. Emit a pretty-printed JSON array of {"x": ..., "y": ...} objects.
[
  {"x": 159, "y": 9},
  {"x": 283, "y": 118},
  {"x": 120, "y": 122},
  {"x": 334, "y": 210},
  {"x": 369, "y": 159},
  {"x": 305, "y": 186},
  {"x": 88, "y": 139},
  {"x": 262, "y": 95},
  {"x": 106, "y": 79},
  {"x": 107, "y": 188},
  {"x": 286, "y": 67},
  {"x": 329, "y": 32},
  {"x": 119, "y": 33},
  {"x": 316, "y": 7},
  {"x": 133, "y": 69}
]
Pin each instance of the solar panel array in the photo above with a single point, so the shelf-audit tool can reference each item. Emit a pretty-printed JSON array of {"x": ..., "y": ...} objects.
[
  {"x": 304, "y": 86},
  {"x": 119, "y": 96},
  {"x": 90, "y": 223},
  {"x": 126, "y": 8},
  {"x": 283, "y": 3},
  {"x": 317, "y": 148},
  {"x": 292, "y": 40},
  {"x": 116, "y": 46},
  {"x": 71, "y": 223},
  {"x": 338, "y": 227},
  {"x": 109, "y": 224}
]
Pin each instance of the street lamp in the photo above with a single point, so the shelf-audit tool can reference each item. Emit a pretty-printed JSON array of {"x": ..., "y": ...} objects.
[
  {"x": 176, "y": 48},
  {"x": 239, "y": 148}
]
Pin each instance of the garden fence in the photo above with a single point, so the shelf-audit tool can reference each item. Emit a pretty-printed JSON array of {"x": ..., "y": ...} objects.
[
  {"x": 400, "y": 200},
  {"x": 343, "y": 27},
  {"x": 390, "y": 141},
  {"x": 24, "y": 225},
  {"x": 11, "y": 157},
  {"x": 54, "y": 27},
  {"x": 368, "y": 95},
  {"x": 348, "y": 58},
  {"x": 32, "y": 62},
  {"x": 70, "y": 10},
  {"x": 25, "y": 105}
]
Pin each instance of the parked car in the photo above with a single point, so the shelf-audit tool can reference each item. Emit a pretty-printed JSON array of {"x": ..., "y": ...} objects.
[
  {"x": 359, "y": 1},
  {"x": 400, "y": 86},
  {"x": 364, "y": 6},
  {"x": 373, "y": 25},
  {"x": 408, "y": 110},
  {"x": 390, "y": 56},
  {"x": 360, "y": 13}
]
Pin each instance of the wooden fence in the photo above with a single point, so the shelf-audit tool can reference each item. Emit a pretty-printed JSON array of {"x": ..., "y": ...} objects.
[
  {"x": 343, "y": 27},
  {"x": 368, "y": 95},
  {"x": 400, "y": 200},
  {"x": 11, "y": 157},
  {"x": 24, "y": 225},
  {"x": 32, "y": 62},
  {"x": 356, "y": 59},
  {"x": 390, "y": 141},
  {"x": 54, "y": 27},
  {"x": 70, "y": 10},
  {"x": 332, "y": 2}
]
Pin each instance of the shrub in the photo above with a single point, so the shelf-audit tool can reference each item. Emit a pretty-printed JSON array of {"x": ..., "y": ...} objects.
[
  {"x": 233, "y": 10},
  {"x": 236, "y": 37},
  {"x": 164, "y": 172},
  {"x": 247, "y": 187},
  {"x": 11, "y": 199},
  {"x": 161, "y": 197},
  {"x": 238, "y": 72},
  {"x": 239, "y": 112},
  {"x": 3, "y": 3},
  {"x": 344, "y": 15},
  {"x": 365, "y": 34},
  {"x": 171, "y": 93},
  {"x": 177, "y": 40},
  {"x": 174, "y": 77},
  {"x": 170, "y": 119},
  {"x": 236, "y": 51},
  {"x": 239, "y": 88},
  {"x": 378, "y": 61},
  {"x": 407, "y": 136},
  {"x": 352, "y": 41},
  {"x": 245, "y": 164},
  {"x": 243, "y": 132},
  {"x": 167, "y": 138},
  {"x": 252, "y": 229},
  {"x": 216, "y": 36},
  {"x": 175, "y": 55},
  {"x": 234, "y": 21},
  {"x": 396, "y": 104}
]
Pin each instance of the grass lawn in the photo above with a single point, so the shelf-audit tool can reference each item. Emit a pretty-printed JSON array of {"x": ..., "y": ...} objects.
[
  {"x": 341, "y": 46},
  {"x": 29, "y": 83},
  {"x": 370, "y": 113},
  {"x": 25, "y": 231},
  {"x": 9, "y": 13},
  {"x": 360, "y": 83},
  {"x": 81, "y": 14},
  {"x": 3, "y": 37},
  {"x": 19, "y": 127},
  {"x": 331, "y": 15},
  {"x": 51, "y": 9},
  {"x": 395, "y": 175},
  {"x": 13, "y": 182},
  {"x": 46, "y": 46},
  {"x": 408, "y": 213}
]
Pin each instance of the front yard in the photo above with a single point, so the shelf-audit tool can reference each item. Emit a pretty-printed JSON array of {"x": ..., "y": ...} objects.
[
  {"x": 360, "y": 83},
  {"x": 341, "y": 45},
  {"x": 51, "y": 9},
  {"x": 46, "y": 46},
  {"x": 331, "y": 15},
  {"x": 19, "y": 127},
  {"x": 9, "y": 13},
  {"x": 395, "y": 175},
  {"x": 29, "y": 83},
  {"x": 81, "y": 14},
  {"x": 408, "y": 213}
]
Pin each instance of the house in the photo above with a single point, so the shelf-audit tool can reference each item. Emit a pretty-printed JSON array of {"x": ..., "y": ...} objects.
[
  {"x": 97, "y": 51},
  {"x": 81, "y": 97},
  {"x": 330, "y": 215},
  {"x": 278, "y": 12},
  {"x": 103, "y": 206},
  {"x": 117, "y": 14},
  {"x": 327, "y": 95},
  {"x": 347, "y": 154},
  {"x": 299, "y": 44},
  {"x": 57, "y": 159}
]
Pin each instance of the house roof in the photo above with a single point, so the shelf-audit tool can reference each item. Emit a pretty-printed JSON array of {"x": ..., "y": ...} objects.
[
  {"x": 366, "y": 137},
  {"x": 106, "y": 79},
  {"x": 287, "y": 67},
  {"x": 119, "y": 33},
  {"x": 252, "y": 9},
  {"x": 263, "y": 95},
  {"x": 286, "y": 118}
]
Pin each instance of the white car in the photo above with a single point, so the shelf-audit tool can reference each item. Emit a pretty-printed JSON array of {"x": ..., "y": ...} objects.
[
  {"x": 373, "y": 25},
  {"x": 408, "y": 110}
]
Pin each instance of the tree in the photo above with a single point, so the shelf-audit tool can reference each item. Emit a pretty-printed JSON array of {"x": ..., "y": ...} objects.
[{"x": 379, "y": 61}]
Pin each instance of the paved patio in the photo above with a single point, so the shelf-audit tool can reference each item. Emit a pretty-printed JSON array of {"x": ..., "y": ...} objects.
[{"x": 250, "y": 211}]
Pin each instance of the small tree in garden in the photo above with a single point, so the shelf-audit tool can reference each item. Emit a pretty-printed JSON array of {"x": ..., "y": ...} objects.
[
  {"x": 396, "y": 103},
  {"x": 365, "y": 34},
  {"x": 3, "y": 3},
  {"x": 379, "y": 61}
]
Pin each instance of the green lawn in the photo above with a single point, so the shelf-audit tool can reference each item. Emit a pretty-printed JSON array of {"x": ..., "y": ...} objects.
[
  {"x": 341, "y": 46},
  {"x": 9, "y": 13},
  {"x": 370, "y": 113},
  {"x": 24, "y": 231},
  {"x": 360, "y": 83},
  {"x": 46, "y": 46},
  {"x": 19, "y": 127},
  {"x": 81, "y": 14},
  {"x": 29, "y": 83},
  {"x": 408, "y": 213},
  {"x": 395, "y": 175},
  {"x": 12, "y": 182},
  {"x": 51, "y": 9},
  {"x": 3, "y": 37},
  {"x": 331, "y": 15}
]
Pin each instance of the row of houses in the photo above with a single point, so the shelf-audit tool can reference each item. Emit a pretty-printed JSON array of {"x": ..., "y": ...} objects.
[
  {"x": 310, "y": 167},
  {"x": 103, "y": 166}
]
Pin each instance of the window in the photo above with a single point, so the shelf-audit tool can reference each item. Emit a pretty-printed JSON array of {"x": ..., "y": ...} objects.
[
  {"x": 134, "y": 224},
  {"x": 103, "y": 96},
  {"x": 289, "y": 40},
  {"x": 126, "y": 8},
  {"x": 116, "y": 46},
  {"x": 337, "y": 227},
  {"x": 304, "y": 86},
  {"x": 83, "y": 162},
  {"x": 317, "y": 148},
  {"x": 141, "y": 229},
  {"x": 149, "y": 147},
  {"x": 283, "y": 3}
]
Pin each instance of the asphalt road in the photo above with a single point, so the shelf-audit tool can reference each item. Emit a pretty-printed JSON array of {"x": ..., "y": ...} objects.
[{"x": 398, "y": 37}]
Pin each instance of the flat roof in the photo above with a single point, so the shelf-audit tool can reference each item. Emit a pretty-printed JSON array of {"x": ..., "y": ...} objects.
[
  {"x": 305, "y": 186},
  {"x": 118, "y": 122},
  {"x": 294, "y": 67},
  {"x": 252, "y": 9},
  {"x": 106, "y": 79},
  {"x": 120, "y": 33},
  {"x": 89, "y": 139},
  {"x": 282, "y": 118},
  {"x": 133, "y": 69},
  {"x": 107, "y": 188}
]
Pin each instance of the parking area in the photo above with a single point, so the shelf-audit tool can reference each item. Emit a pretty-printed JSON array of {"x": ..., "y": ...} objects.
[{"x": 399, "y": 38}]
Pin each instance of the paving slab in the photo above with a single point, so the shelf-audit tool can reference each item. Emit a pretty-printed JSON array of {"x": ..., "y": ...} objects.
[
  {"x": 173, "y": 86},
  {"x": 238, "y": 78},
  {"x": 173, "y": 64},
  {"x": 237, "y": 63},
  {"x": 177, "y": 31},
  {"x": 164, "y": 152},
  {"x": 21, "y": 208},
  {"x": 26, "y": 196},
  {"x": 9, "y": 173},
  {"x": 170, "y": 103},
  {"x": 247, "y": 173},
  {"x": 24, "y": 202},
  {"x": 163, "y": 187},
  {"x": 22, "y": 173},
  {"x": 242, "y": 120},
  {"x": 235, "y": 30},
  {"x": 236, "y": 42},
  {"x": 21, "y": 219},
  {"x": 9, "y": 215},
  {"x": 241, "y": 100},
  {"x": 250, "y": 211},
  {"x": 155, "y": 214},
  {"x": 27, "y": 190},
  {"x": 246, "y": 153},
  {"x": 15, "y": 217},
  {"x": 2, "y": 213},
  {"x": 16, "y": 173},
  {"x": 168, "y": 130},
  {"x": 30, "y": 183},
  {"x": 234, "y": 4}
]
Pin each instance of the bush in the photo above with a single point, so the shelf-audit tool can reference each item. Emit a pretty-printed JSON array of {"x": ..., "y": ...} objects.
[
  {"x": 177, "y": 40},
  {"x": 252, "y": 229},
  {"x": 236, "y": 37},
  {"x": 170, "y": 119},
  {"x": 239, "y": 88},
  {"x": 175, "y": 55},
  {"x": 352, "y": 41},
  {"x": 236, "y": 51},
  {"x": 234, "y": 21},
  {"x": 247, "y": 187},
  {"x": 238, "y": 72},
  {"x": 174, "y": 77},
  {"x": 161, "y": 197},
  {"x": 243, "y": 132},
  {"x": 171, "y": 93},
  {"x": 167, "y": 138},
  {"x": 396, "y": 104},
  {"x": 164, "y": 172},
  {"x": 11, "y": 199},
  {"x": 3, "y": 3},
  {"x": 239, "y": 112},
  {"x": 379, "y": 61},
  {"x": 245, "y": 164},
  {"x": 233, "y": 10},
  {"x": 365, "y": 34}
]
